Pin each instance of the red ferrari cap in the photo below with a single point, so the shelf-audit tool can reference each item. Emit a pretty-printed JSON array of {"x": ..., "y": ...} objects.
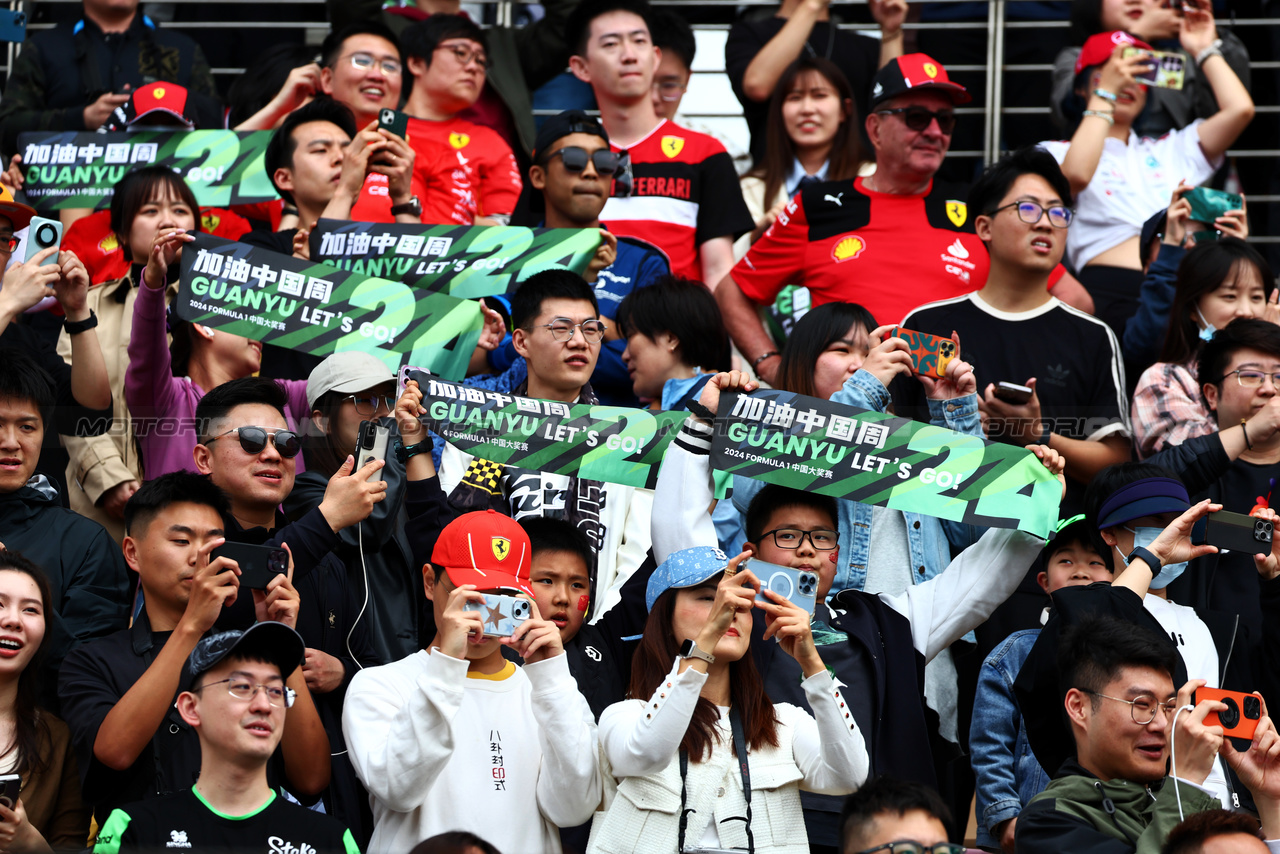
[
  {"x": 486, "y": 549},
  {"x": 914, "y": 71},
  {"x": 155, "y": 101},
  {"x": 1099, "y": 47}
]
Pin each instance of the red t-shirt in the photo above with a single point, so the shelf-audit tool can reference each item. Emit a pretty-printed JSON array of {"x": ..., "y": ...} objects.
[
  {"x": 684, "y": 192},
  {"x": 494, "y": 177},
  {"x": 439, "y": 181}
]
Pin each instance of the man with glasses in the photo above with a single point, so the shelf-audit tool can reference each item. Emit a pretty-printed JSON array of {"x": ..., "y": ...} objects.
[
  {"x": 237, "y": 701},
  {"x": 1121, "y": 793},
  {"x": 889, "y": 815},
  {"x": 1015, "y": 332},
  {"x": 448, "y": 56}
]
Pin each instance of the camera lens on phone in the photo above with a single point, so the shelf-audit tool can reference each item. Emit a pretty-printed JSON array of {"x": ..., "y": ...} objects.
[
  {"x": 1252, "y": 708},
  {"x": 1230, "y": 718}
]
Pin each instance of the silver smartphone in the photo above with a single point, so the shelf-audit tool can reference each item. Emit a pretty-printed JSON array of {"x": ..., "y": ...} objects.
[
  {"x": 372, "y": 445},
  {"x": 502, "y": 614},
  {"x": 799, "y": 586}
]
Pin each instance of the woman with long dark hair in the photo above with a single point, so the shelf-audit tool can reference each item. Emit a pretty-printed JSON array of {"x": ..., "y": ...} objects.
[
  {"x": 834, "y": 342},
  {"x": 1217, "y": 282},
  {"x": 697, "y": 702},
  {"x": 35, "y": 745}
]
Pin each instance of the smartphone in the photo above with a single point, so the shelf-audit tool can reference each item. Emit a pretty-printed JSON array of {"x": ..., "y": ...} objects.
[
  {"x": 394, "y": 121},
  {"x": 10, "y": 784},
  {"x": 502, "y": 614},
  {"x": 13, "y": 26},
  {"x": 930, "y": 354},
  {"x": 258, "y": 564},
  {"x": 799, "y": 586},
  {"x": 41, "y": 234},
  {"x": 1012, "y": 393},
  {"x": 1237, "y": 532},
  {"x": 1242, "y": 715},
  {"x": 1167, "y": 70},
  {"x": 372, "y": 445},
  {"x": 1207, "y": 204},
  {"x": 409, "y": 372}
]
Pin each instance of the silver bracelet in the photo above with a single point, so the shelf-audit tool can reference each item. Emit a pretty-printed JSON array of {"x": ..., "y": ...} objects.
[
  {"x": 1214, "y": 49},
  {"x": 1111, "y": 120}
]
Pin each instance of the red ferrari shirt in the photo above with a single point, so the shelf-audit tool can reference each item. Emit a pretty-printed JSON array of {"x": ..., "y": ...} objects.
[
  {"x": 439, "y": 181},
  {"x": 94, "y": 243},
  {"x": 684, "y": 193},
  {"x": 492, "y": 175},
  {"x": 886, "y": 252}
]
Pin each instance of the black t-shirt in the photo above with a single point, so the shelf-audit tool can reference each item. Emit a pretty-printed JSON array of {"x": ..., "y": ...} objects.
[
  {"x": 857, "y": 56},
  {"x": 185, "y": 822}
]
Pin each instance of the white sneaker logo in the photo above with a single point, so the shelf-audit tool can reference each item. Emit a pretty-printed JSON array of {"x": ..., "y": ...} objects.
[
  {"x": 957, "y": 249},
  {"x": 836, "y": 199}
]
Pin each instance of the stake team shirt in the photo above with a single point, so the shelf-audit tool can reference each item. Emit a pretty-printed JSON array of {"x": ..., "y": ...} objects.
[
  {"x": 492, "y": 178},
  {"x": 887, "y": 252},
  {"x": 685, "y": 192}
]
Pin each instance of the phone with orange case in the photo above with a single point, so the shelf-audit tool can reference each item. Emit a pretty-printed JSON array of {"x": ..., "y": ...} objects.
[
  {"x": 930, "y": 354},
  {"x": 1241, "y": 716}
]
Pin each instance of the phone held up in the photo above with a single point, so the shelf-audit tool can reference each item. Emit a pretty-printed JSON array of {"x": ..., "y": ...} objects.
[
  {"x": 372, "y": 445},
  {"x": 1241, "y": 717},
  {"x": 930, "y": 354},
  {"x": 502, "y": 614},
  {"x": 258, "y": 564},
  {"x": 1237, "y": 532},
  {"x": 42, "y": 234},
  {"x": 799, "y": 586}
]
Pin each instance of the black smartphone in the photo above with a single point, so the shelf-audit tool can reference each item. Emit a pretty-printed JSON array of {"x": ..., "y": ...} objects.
[
  {"x": 258, "y": 564},
  {"x": 394, "y": 121},
  {"x": 1012, "y": 393},
  {"x": 1237, "y": 532},
  {"x": 10, "y": 785}
]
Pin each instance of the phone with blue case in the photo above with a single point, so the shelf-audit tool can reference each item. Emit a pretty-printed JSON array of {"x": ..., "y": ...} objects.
[
  {"x": 502, "y": 614},
  {"x": 13, "y": 26},
  {"x": 799, "y": 586}
]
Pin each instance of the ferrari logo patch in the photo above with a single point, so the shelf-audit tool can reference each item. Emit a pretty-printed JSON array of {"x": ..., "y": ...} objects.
[
  {"x": 957, "y": 212},
  {"x": 930, "y": 69},
  {"x": 157, "y": 92},
  {"x": 501, "y": 547},
  {"x": 459, "y": 140},
  {"x": 672, "y": 145}
]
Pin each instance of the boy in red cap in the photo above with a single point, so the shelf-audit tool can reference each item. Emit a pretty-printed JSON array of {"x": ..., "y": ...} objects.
[{"x": 455, "y": 736}]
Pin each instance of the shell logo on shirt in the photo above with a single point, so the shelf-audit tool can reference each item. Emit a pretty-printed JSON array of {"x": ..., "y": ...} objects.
[
  {"x": 672, "y": 145},
  {"x": 957, "y": 212},
  {"x": 111, "y": 243},
  {"x": 848, "y": 248},
  {"x": 459, "y": 140},
  {"x": 930, "y": 69},
  {"x": 501, "y": 547}
]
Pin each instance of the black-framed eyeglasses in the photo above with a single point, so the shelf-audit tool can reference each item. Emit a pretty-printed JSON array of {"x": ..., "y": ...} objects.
[
  {"x": 575, "y": 159},
  {"x": 1253, "y": 379},
  {"x": 243, "y": 689},
  {"x": 823, "y": 539},
  {"x": 906, "y": 846},
  {"x": 366, "y": 61},
  {"x": 918, "y": 118},
  {"x": 369, "y": 404},
  {"x": 1030, "y": 213},
  {"x": 562, "y": 329},
  {"x": 465, "y": 54},
  {"x": 8, "y": 244},
  {"x": 1142, "y": 708},
  {"x": 254, "y": 439}
]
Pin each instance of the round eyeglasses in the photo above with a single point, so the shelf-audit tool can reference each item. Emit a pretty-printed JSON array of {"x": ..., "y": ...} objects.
[
  {"x": 1142, "y": 708},
  {"x": 562, "y": 330},
  {"x": 1030, "y": 213}
]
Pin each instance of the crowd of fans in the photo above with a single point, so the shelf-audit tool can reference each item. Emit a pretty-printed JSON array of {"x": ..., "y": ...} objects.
[{"x": 156, "y": 694}]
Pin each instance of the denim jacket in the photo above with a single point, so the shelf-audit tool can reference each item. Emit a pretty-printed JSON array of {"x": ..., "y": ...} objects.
[
  {"x": 1006, "y": 772},
  {"x": 930, "y": 540}
]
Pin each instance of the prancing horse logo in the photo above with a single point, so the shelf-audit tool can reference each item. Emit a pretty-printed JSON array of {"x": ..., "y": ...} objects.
[{"x": 501, "y": 547}]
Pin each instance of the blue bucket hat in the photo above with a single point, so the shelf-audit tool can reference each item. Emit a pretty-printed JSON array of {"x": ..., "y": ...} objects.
[{"x": 685, "y": 568}]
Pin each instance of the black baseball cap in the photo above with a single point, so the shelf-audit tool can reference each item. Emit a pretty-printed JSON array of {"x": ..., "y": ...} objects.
[
  {"x": 915, "y": 72},
  {"x": 1151, "y": 230},
  {"x": 268, "y": 641},
  {"x": 563, "y": 124}
]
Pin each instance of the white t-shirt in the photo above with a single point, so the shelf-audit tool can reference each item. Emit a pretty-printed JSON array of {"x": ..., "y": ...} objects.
[{"x": 1131, "y": 184}]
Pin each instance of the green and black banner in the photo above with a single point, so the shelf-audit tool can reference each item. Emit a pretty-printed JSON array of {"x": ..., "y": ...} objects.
[
  {"x": 462, "y": 261},
  {"x": 605, "y": 443},
  {"x": 820, "y": 446},
  {"x": 319, "y": 309},
  {"x": 80, "y": 170}
]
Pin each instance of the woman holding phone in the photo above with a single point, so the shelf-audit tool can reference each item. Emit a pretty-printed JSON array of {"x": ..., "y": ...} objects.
[
  {"x": 36, "y": 759},
  {"x": 704, "y": 760}
]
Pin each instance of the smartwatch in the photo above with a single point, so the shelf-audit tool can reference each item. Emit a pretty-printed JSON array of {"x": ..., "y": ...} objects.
[
  {"x": 404, "y": 453},
  {"x": 689, "y": 649},
  {"x": 1150, "y": 559},
  {"x": 75, "y": 327}
]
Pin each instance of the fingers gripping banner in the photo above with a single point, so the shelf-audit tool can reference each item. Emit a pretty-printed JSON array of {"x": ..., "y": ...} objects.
[
  {"x": 817, "y": 445},
  {"x": 319, "y": 309}
]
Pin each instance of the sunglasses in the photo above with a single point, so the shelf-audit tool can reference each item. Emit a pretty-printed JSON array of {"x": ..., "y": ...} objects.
[
  {"x": 254, "y": 439},
  {"x": 575, "y": 159},
  {"x": 918, "y": 118}
]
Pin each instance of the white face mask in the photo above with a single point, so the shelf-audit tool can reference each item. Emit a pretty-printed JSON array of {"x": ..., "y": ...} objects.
[{"x": 1142, "y": 538}]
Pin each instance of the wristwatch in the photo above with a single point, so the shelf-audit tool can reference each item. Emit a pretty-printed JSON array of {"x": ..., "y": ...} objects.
[
  {"x": 1150, "y": 559},
  {"x": 404, "y": 453},
  {"x": 413, "y": 206},
  {"x": 75, "y": 327},
  {"x": 689, "y": 649}
]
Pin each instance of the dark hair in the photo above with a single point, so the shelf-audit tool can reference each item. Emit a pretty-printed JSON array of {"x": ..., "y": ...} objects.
[
  {"x": 882, "y": 795},
  {"x": 1082, "y": 532},
  {"x": 1086, "y": 20},
  {"x": 177, "y": 487},
  {"x": 556, "y": 535},
  {"x": 1092, "y": 652},
  {"x": 811, "y": 336},
  {"x": 1195, "y": 830},
  {"x": 220, "y": 400},
  {"x": 526, "y": 302},
  {"x": 577, "y": 30},
  {"x": 24, "y": 379},
  {"x": 264, "y": 78},
  {"x": 421, "y": 38},
  {"x": 684, "y": 308},
  {"x": 318, "y": 450},
  {"x": 1107, "y": 483},
  {"x": 31, "y": 727},
  {"x": 137, "y": 188},
  {"x": 771, "y": 498},
  {"x": 652, "y": 662},
  {"x": 283, "y": 146},
  {"x": 672, "y": 34},
  {"x": 780, "y": 151},
  {"x": 1243, "y": 333},
  {"x": 453, "y": 842},
  {"x": 1202, "y": 271},
  {"x": 331, "y": 48},
  {"x": 996, "y": 179}
]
